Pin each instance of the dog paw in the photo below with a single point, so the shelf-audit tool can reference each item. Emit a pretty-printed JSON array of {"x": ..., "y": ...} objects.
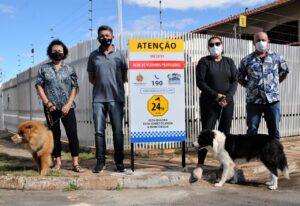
[
  {"x": 272, "y": 187},
  {"x": 43, "y": 172},
  {"x": 218, "y": 184},
  {"x": 269, "y": 183},
  {"x": 233, "y": 181}
]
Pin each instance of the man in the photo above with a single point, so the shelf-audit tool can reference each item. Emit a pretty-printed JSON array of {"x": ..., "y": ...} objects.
[
  {"x": 107, "y": 70},
  {"x": 260, "y": 73}
]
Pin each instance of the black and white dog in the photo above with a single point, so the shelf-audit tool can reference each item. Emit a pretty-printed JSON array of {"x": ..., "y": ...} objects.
[{"x": 231, "y": 149}]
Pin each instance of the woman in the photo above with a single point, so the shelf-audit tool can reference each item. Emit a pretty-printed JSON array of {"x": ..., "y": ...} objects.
[
  {"x": 57, "y": 87},
  {"x": 216, "y": 77}
]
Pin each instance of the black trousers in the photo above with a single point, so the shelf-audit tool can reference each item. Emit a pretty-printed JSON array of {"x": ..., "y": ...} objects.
[
  {"x": 211, "y": 112},
  {"x": 70, "y": 125}
]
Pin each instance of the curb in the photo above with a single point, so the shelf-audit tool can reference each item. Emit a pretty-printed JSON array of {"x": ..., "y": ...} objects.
[
  {"x": 113, "y": 181},
  {"x": 127, "y": 180}
]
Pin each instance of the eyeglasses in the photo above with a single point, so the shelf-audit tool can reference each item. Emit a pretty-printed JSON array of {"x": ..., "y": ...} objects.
[
  {"x": 213, "y": 44},
  {"x": 258, "y": 40},
  {"x": 57, "y": 50}
]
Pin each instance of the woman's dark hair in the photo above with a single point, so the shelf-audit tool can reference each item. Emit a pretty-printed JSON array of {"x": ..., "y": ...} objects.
[
  {"x": 215, "y": 37},
  {"x": 57, "y": 42},
  {"x": 105, "y": 27}
]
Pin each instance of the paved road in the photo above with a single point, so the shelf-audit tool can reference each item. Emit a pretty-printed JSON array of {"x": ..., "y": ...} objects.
[{"x": 202, "y": 193}]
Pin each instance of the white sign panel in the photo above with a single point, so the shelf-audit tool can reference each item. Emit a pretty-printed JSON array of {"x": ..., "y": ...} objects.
[{"x": 156, "y": 90}]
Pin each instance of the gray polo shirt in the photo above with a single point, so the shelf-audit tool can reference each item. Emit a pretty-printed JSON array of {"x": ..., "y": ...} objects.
[{"x": 109, "y": 85}]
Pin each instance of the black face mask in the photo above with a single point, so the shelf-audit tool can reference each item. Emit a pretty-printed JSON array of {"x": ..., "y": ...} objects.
[
  {"x": 105, "y": 42},
  {"x": 57, "y": 56}
]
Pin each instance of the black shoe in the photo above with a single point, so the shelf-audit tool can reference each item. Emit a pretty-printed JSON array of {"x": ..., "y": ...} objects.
[
  {"x": 120, "y": 167},
  {"x": 100, "y": 166}
]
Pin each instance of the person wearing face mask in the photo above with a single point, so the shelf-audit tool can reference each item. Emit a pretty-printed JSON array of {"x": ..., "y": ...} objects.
[
  {"x": 216, "y": 77},
  {"x": 57, "y": 87},
  {"x": 260, "y": 73},
  {"x": 107, "y": 69}
]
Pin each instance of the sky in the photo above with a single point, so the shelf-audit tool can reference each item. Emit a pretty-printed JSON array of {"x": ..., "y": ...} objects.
[{"x": 27, "y": 24}]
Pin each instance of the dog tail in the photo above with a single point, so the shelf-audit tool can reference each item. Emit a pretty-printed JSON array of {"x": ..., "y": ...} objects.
[
  {"x": 283, "y": 166},
  {"x": 286, "y": 173}
]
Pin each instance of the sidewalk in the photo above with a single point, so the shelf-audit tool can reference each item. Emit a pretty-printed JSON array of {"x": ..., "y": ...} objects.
[{"x": 150, "y": 172}]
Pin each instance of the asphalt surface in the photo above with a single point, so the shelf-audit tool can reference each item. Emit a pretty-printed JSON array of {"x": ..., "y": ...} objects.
[
  {"x": 151, "y": 172},
  {"x": 201, "y": 193}
]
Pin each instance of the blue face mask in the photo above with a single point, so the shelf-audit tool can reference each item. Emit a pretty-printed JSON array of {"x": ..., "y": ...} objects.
[{"x": 105, "y": 42}]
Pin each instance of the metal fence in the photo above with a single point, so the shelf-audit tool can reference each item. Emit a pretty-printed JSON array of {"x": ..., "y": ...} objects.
[{"x": 20, "y": 101}]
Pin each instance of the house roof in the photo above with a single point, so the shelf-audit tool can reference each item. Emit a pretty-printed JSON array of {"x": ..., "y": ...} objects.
[{"x": 269, "y": 6}]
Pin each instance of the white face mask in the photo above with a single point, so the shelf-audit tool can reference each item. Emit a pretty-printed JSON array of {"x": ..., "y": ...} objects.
[
  {"x": 215, "y": 50},
  {"x": 261, "y": 46}
]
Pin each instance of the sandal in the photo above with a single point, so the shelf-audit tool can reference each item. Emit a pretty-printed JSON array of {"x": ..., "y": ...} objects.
[
  {"x": 78, "y": 168},
  {"x": 56, "y": 167}
]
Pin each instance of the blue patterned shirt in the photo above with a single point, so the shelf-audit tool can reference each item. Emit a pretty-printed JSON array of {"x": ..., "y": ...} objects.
[
  {"x": 57, "y": 84},
  {"x": 262, "y": 77}
]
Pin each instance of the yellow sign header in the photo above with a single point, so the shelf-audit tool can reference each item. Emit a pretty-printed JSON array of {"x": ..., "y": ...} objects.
[
  {"x": 156, "y": 45},
  {"x": 243, "y": 21}
]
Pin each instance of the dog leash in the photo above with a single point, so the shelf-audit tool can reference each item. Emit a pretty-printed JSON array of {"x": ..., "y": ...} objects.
[{"x": 219, "y": 119}]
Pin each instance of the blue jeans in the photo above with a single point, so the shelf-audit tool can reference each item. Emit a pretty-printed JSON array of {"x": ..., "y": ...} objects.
[
  {"x": 271, "y": 115},
  {"x": 115, "y": 112}
]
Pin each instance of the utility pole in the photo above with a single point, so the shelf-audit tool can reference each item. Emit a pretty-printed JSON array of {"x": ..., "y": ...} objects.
[
  {"x": 160, "y": 16},
  {"x": 234, "y": 30},
  {"x": 52, "y": 33},
  {"x": 32, "y": 54},
  {"x": 120, "y": 23}
]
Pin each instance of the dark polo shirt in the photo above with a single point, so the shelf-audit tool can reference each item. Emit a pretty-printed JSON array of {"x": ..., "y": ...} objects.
[{"x": 109, "y": 70}]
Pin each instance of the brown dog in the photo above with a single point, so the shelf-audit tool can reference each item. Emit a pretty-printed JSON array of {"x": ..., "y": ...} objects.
[{"x": 38, "y": 140}]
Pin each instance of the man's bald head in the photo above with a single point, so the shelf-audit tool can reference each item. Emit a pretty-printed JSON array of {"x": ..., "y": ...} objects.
[
  {"x": 261, "y": 36},
  {"x": 261, "y": 42}
]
